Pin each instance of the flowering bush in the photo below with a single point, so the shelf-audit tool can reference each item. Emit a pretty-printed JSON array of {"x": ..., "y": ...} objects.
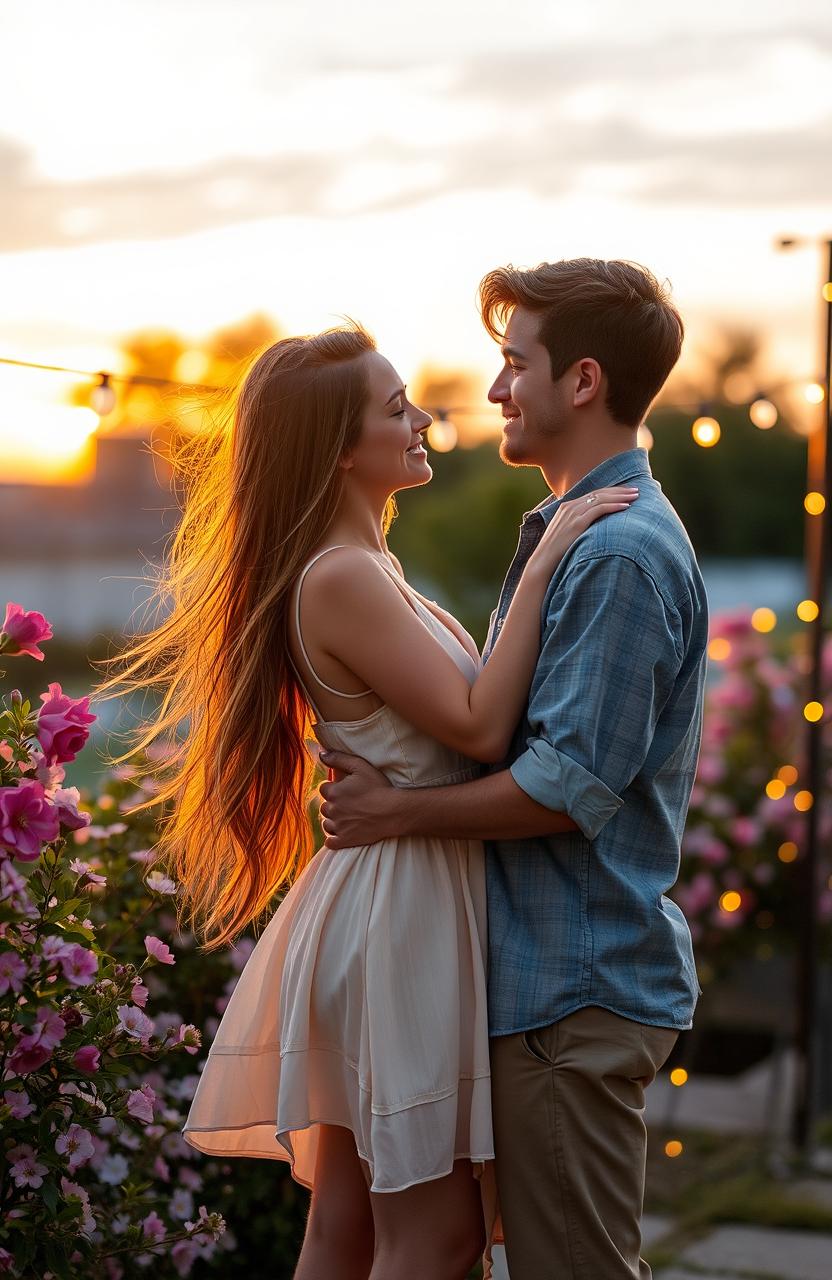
[
  {"x": 746, "y": 825},
  {"x": 90, "y": 1182}
]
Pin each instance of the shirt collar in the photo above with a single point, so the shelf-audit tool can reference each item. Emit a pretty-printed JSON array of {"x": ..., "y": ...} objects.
[{"x": 614, "y": 470}]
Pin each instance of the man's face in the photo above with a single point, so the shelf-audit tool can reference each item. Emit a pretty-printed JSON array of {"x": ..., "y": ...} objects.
[{"x": 534, "y": 407}]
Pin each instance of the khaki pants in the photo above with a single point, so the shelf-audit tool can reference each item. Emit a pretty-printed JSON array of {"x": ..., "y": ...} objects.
[{"x": 571, "y": 1144}]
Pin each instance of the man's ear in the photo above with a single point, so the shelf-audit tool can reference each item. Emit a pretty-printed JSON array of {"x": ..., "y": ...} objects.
[{"x": 588, "y": 377}]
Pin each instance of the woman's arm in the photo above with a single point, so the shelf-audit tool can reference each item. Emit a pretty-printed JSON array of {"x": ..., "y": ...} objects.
[{"x": 370, "y": 628}]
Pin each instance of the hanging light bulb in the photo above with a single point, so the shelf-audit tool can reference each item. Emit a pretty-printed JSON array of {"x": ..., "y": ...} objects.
[
  {"x": 442, "y": 434},
  {"x": 103, "y": 397}
]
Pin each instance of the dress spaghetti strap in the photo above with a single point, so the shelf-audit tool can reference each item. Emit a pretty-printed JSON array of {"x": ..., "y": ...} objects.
[{"x": 338, "y": 693}]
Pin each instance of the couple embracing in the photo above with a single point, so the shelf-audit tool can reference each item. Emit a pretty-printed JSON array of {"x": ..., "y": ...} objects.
[{"x": 463, "y": 995}]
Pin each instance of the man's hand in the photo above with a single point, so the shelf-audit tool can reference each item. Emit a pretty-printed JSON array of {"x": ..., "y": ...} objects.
[{"x": 359, "y": 805}]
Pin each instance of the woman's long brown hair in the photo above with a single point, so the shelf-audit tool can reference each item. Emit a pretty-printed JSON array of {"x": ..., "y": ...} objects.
[{"x": 260, "y": 492}]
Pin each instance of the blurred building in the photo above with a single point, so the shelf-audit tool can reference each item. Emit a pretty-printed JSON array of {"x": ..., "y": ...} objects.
[{"x": 82, "y": 553}]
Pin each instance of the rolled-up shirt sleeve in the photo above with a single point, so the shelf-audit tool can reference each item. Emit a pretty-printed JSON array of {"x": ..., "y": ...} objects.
[{"x": 611, "y": 651}]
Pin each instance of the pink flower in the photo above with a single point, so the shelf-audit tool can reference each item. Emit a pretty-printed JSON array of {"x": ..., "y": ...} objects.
[
  {"x": 189, "y": 1036},
  {"x": 161, "y": 1169},
  {"x": 62, "y": 724},
  {"x": 159, "y": 883},
  {"x": 75, "y": 1189},
  {"x": 133, "y": 1022},
  {"x": 79, "y": 965},
  {"x": 53, "y": 946},
  {"x": 84, "y": 869},
  {"x": 139, "y": 994},
  {"x": 28, "y": 1056},
  {"x": 159, "y": 950},
  {"x": 27, "y": 820},
  {"x": 153, "y": 1227},
  {"x": 745, "y": 831},
  {"x": 49, "y": 1028},
  {"x": 24, "y": 1168},
  {"x": 18, "y": 1100},
  {"x": 86, "y": 1059},
  {"x": 22, "y": 631},
  {"x": 12, "y": 972},
  {"x": 65, "y": 800},
  {"x": 76, "y": 1143},
  {"x": 183, "y": 1256},
  {"x": 140, "y": 1104}
]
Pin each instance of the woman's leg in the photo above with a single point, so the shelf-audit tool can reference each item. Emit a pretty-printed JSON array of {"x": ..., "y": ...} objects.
[
  {"x": 339, "y": 1239},
  {"x": 433, "y": 1229}
]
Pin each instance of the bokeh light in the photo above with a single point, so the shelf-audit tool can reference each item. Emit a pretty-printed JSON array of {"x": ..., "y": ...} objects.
[
  {"x": 814, "y": 503},
  {"x": 788, "y": 774},
  {"x": 673, "y": 1149},
  {"x": 644, "y": 438},
  {"x": 719, "y": 649},
  {"x": 775, "y": 789},
  {"x": 706, "y": 432},
  {"x": 678, "y": 1076},
  {"x": 787, "y": 851},
  {"x": 803, "y": 801},
  {"x": 764, "y": 620},
  {"x": 813, "y": 711},
  {"x": 730, "y": 901},
  {"x": 807, "y": 610},
  {"x": 763, "y": 414}
]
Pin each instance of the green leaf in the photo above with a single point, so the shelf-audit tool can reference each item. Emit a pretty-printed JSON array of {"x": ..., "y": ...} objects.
[{"x": 49, "y": 1195}]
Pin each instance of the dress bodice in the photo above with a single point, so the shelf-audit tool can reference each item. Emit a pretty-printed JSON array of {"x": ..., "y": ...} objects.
[{"x": 406, "y": 755}]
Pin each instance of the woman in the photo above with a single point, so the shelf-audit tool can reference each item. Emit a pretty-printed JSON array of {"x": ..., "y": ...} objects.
[{"x": 355, "y": 1043}]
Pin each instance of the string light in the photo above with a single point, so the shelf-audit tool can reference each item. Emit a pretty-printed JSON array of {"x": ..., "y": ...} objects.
[
  {"x": 673, "y": 1149},
  {"x": 678, "y": 1076},
  {"x": 814, "y": 393},
  {"x": 813, "y": 711},
  {"x": 815, "y": 503},
  {"x": 807, "y": 610},
  {"x": 103, "y": 397}
]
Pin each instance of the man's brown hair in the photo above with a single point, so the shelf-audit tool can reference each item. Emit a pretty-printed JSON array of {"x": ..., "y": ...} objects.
[{"x": 616, "y": 312}]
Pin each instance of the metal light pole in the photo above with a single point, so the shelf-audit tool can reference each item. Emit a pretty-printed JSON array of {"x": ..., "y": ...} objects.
[{"x": 819, "y": 471}]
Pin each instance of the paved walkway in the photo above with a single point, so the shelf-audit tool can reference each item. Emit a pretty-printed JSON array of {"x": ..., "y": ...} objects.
[{"x": 735, "y": 1253}]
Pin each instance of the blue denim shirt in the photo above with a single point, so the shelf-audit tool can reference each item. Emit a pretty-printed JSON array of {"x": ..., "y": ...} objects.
[{"x": 610, "y": 737}]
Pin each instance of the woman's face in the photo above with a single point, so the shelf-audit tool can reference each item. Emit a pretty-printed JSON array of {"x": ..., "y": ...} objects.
[{"x": 390, "y": 454}]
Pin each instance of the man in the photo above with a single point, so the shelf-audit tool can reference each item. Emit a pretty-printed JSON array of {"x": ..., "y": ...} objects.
[{"x": 591, "y": 971}]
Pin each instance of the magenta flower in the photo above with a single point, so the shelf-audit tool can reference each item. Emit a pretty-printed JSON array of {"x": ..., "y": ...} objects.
[
  {"x": 22, "y": 631},
  {"x": 79, "y": 965},
  {"x": 49, "y": 1028},
  {"x": 62, "y": 724},
  {"x": 65, "y": 800},
  {"x": 86, "y": 1059},
  {"x": 183, "y": 1256},
  {"x": 189, "y": 1036},
  {"x": 77, "y": 1145},
  {"x": 18, "y": 1101},
  {"x": 24, "y": 1168},
  {"x": 159, "y": 950},
  {"x": 12, "y": 972},
  {"x": 28, "y": 1056},
  {"x": 27, "y": 820},
  {"x": 140, "y": 1104},
  {"x": 53, "y": 946}
]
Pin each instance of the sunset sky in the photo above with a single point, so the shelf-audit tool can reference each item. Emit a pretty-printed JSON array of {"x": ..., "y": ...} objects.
[{"x": 184, "y": 163}]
